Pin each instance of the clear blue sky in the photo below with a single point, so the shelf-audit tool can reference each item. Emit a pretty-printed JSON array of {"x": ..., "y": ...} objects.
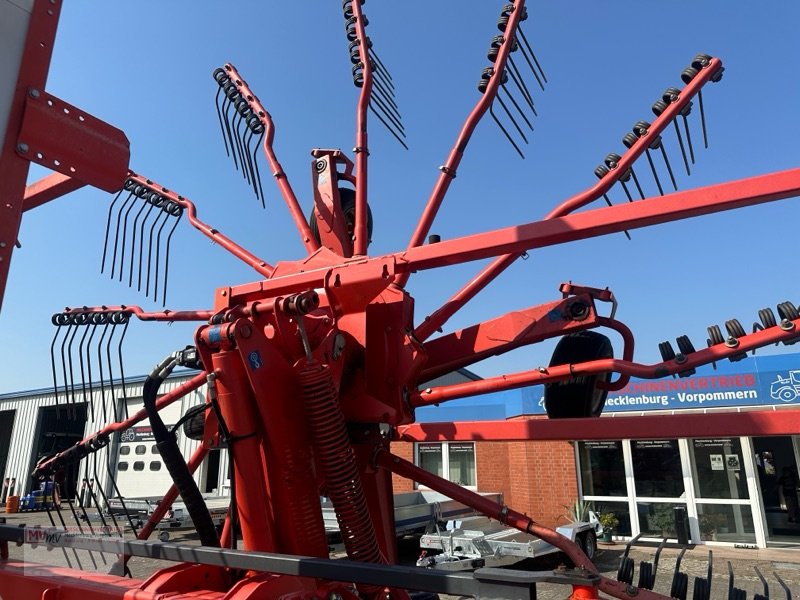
[{"x": 146, "y": 68}]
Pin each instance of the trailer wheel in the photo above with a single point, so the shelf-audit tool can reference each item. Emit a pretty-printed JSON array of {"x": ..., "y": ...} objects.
[
  {"x": 579, "y": 396},
  {"x": 588, "y": 543}
]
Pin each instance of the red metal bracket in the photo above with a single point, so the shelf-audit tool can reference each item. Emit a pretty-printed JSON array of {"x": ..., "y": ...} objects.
[
  {"x": 13, "y": 170},
  {"x": 62, "y": 137}
]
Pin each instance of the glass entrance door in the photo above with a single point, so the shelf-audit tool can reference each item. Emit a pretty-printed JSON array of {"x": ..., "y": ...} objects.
[{"x": 776, "y": 462}]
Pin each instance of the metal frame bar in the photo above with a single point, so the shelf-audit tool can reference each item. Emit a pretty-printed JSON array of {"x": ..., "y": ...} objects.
[
  {"x": 617, "y": 427},
  {"x": 483, "y": 583}
]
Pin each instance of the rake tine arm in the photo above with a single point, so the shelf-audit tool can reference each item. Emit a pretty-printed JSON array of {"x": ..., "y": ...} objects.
[
  {"x": 672, "y": 111},
  {"x": 449, "y": 168},
  {"x": 213, "y": 234},
  {"x": 360, "y": 233},
  {"x": 142, "y": 315},
  {"x": 628, "y": 368},
  {"x": 277, "y": 170}
]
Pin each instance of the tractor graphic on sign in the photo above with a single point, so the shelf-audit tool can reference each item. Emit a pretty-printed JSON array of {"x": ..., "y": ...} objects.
[{"x": 786, "y": 389}]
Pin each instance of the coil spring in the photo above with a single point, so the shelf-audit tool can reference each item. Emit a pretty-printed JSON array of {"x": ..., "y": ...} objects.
[
  {"x": 116, "y": 317},
  {"x": 685, "y": 347},
  {"x": 505, "y": 15},
  {"x": 240, "y": 102},
  {"x": 612, "y": 162},
  {"x": 494, "y": 47},
  {"x": 347, "y": 8},
  {"x": 337, "y": 459},
  {"x": 486, "y": 75},
  {"x": 701, "y": 61},
  {"x": 641, "y": 128}
]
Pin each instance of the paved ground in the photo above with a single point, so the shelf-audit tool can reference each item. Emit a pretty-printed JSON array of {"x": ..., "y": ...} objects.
[{"x": 785, "y": 563}]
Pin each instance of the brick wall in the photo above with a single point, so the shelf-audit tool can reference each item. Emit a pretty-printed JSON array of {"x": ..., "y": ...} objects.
[{"x": 403, "y": 450}]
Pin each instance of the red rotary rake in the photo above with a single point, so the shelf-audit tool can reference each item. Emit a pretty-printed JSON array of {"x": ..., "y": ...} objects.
[{"x": 311, "y": 369}]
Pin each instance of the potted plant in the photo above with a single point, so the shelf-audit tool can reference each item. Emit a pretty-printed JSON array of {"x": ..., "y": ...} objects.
[
  {"x": 577, "y": 512},
  {"x": 609, "y": 521}
]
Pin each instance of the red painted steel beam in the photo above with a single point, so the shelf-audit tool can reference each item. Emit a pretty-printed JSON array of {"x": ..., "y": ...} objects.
[
  {"x": 540, "y": 234},
  {"x": 603, "y": 221},
  {"x": 750, "y": 423},
  {"x": 14, "y": 168},
  {"x": 49, "y": 188}
]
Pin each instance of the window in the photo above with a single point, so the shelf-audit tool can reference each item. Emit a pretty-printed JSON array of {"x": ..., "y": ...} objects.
[
  {"x": 154, "y": 449},
  {"x": 657, "y": 468},
  {"x": 155, "y": 466},
  {"x": 138, "y": 465},
  {"x": 602, "y": 468},
  {"x": 141, "y": 449},
  {"x": 123, "y": 466},
  {"x": 717, "y": 468},
  {"x": 125, "y": 450},
  {"x": 455, "y": 461}
]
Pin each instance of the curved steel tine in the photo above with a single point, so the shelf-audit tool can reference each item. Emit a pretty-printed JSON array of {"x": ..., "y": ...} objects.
[
  {"x": 219, "y": 116},
  {"x": 111, "y": 390},
  {"x": 533, "y": 56},
  {"x": 116, "y": 234},
  {"x": 516, "y": 105},
  {"x": 93, "y": 327},
  {"x": 653, "y": 169},
  {"x": 64, "y": 361},
  {"x": 64, "y": 527},
  {"x": 520, "y": 82},
  {"x": 688, "y": 137},
  {"x": 166, "y": 259},
  {"x": 638, "y": 186},
  {"x": 226, "y": 107},
  {"x": 145, "y": 204},
  {"x": 86, "y": 399},
  {"x": 124, "y": 238},
  {"x": 785, "y": 587},
  {"x": 160, "y": 214},
  {"x": 669, "y": 166},
  {"x": 258, "y": 174},
  {"x": 108, "y": 229},
  {"x": 765, "y": 595},
  {"x": 141, "y": 246},
  {"x": 388, "y": 127},
  {"x": 702, "y": 117},
  {"x": 511, "y": 118},
  {"x": 396, "y": 122},
  {"x": 503, "y": 129},
  {"x": 102, "y": 375},
  {"x": 680, "y": 143},
  {"x": 158, "y": 254},
  {"x": 77, "y": 520},
  {"x": 53, "y": 363}
]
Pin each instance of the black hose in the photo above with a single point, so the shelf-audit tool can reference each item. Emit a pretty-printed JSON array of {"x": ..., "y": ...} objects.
[{"x": 173, "y": 459}]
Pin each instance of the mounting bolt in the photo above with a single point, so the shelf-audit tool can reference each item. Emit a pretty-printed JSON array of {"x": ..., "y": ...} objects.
[
  {"x": 246, "y": 331},
  {"x": 320, "y": 165},
  {"x": 680, "y": 358},
  {"x": 34, "y": 93},
  {"x": 632, "y": 590},
  {"x": 22, "y": 148}
]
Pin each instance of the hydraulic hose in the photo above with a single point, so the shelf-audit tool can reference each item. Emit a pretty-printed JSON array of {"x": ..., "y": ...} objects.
[{"x": 167, "y": 444}]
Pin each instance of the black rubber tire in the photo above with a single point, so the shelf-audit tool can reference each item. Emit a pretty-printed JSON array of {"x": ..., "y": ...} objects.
[
  {"x": 347, "y": 197},
  {"x": 579, "y": 396},
  {"x": 194, "y": 426},
  {"x": 588, "y": 543}
]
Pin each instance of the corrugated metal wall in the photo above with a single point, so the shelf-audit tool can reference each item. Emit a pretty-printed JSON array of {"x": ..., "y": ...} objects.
[{"x": 24, "y": 437}]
